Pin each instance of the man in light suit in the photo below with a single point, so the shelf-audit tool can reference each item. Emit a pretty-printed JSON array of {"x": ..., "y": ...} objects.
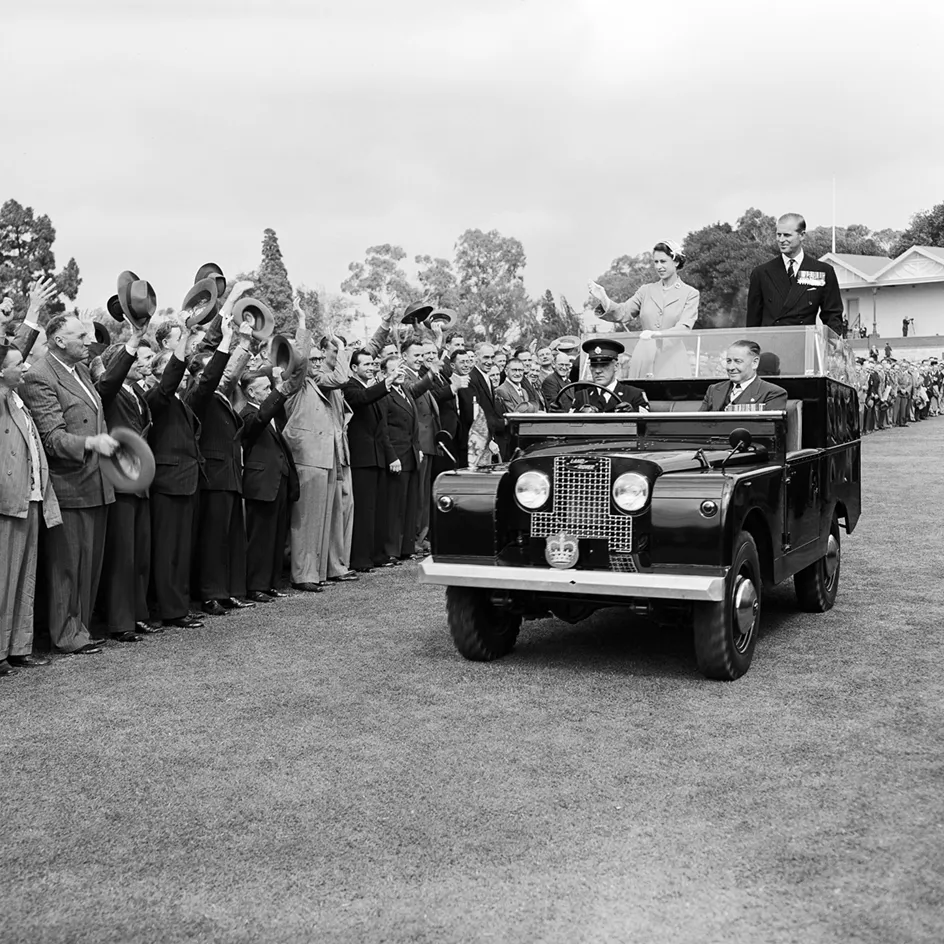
[
  {"x": 743, "y": 386},
  {"x": 792, "y": 289},
  {"x": 26, "y": 495},
  {"x": 71, "y": 421},
  {"x": 315, "y": 441}
]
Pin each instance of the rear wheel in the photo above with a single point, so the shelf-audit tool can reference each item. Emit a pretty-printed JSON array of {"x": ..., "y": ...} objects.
[
  {"x": 817, "y": 585},
  {"x": 725, "y": 632},
  {"x": 481, "y": 631}
]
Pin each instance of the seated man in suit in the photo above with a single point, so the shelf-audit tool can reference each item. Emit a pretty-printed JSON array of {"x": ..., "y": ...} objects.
[
  {"x": 744, "y": 386},
  {"x": 604, "y": 358}
]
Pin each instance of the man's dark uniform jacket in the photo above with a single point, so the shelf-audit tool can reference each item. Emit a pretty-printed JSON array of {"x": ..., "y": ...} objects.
[
  {"x": 624, "y": 392},
  {"x": 757, "y": 391},
  {"x": 773, "y": 300}
]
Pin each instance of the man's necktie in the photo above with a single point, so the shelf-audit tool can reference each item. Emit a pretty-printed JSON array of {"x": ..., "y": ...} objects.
[
  {"x": 791, "y": 272},
  {"x": 732, "y": 393}
]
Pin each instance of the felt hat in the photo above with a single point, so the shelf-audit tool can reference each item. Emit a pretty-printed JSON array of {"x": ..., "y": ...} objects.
[
  {"x": 101, "y": 333},
  {"x": 258, "y": 314},
  {"x": 113, "y": 307},
  {"x": 201, "y": 301},
  {"x": 131, "y": 467},
  {"x": 282, "y": 354},
  {"x": 602, "y": 350},
  {"x": 416, "y": 313},
  {"x": 569, "y": 342},
  {"x": 125, "y": 277},
  {"x": 210, "y": 270},
  {"x": 137, "y": 300},
  {"x": 446, "y": 315}
]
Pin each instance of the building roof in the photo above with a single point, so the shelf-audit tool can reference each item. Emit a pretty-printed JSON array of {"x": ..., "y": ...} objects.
[
  {"x": 865, "y": 265},
  {"x": 917, "y": 264}
]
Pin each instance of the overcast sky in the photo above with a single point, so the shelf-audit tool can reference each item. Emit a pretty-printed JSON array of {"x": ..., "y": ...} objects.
[{"x": 161, "y": 135}]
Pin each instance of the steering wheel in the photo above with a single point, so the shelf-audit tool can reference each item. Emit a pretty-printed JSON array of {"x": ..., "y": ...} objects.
[{"x": 614, "y": 406}]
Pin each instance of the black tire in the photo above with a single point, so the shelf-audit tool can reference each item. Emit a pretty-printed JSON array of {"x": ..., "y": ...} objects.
[
  {"x": 726, "y": 632},
  {"x": 480, "y": 631},
  {"x": 817, "y": 585}
]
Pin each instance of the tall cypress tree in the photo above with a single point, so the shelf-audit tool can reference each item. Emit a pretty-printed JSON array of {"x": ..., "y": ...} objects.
[{"x": 272, "y": 284}]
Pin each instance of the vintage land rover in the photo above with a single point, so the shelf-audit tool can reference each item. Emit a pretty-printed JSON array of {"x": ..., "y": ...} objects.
[{"x": 677, "y": 514}]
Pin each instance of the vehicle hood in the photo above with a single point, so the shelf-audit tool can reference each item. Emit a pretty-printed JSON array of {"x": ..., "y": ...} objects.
[{"x": 659, "y": 462}]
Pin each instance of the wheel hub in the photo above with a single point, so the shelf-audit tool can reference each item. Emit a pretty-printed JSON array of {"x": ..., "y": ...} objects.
[
  {"x": 831, "y": 562},
  {"x": 745, "y": 608}
]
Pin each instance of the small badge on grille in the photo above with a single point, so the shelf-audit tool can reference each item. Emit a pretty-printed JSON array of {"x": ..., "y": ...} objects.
[{"x": 561, "y": 550}]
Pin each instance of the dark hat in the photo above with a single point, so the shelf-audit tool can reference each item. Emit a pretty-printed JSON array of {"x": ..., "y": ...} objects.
[
  {"x": 569, "y": 342},
  {"x": 114, "y": 308},
  {"x": 444, "y": 315},
  {"x": 210, "y": 270},
  {"x": 131, "y": 467},
  {"x": 138, "y": 301},
  {"x": 282, "y": 354},
  {"x": 258, "y": 314},
  {"x": 101, "y": 333},
  {"x": 603, "y": 350},
  {"x": 416, "y": 313},
  {"x": 202, "y": 301}
]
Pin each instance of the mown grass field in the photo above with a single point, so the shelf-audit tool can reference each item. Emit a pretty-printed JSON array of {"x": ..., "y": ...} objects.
[{"x": 327, "y": 768}]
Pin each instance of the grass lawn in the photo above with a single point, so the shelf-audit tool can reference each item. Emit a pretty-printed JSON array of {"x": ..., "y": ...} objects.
[{"x": 327, "y": 768}]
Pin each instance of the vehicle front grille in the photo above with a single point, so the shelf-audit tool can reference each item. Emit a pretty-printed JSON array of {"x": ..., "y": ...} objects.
[{"x": 580, "y": 505}]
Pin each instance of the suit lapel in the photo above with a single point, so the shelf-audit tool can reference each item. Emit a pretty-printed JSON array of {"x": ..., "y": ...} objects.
[
  {"x": 778, "y": 275},
  {"x": 68, "y": 379}
]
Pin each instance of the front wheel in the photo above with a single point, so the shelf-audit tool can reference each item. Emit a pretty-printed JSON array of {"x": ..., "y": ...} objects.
[
  {"x": 725, "y": 632},
  {"x": 817, "y": 585},
  {"x": 481, "y": 631}
]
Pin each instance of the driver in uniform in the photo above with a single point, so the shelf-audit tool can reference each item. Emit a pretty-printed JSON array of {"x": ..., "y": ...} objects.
[{"x": 604, "y": 359}]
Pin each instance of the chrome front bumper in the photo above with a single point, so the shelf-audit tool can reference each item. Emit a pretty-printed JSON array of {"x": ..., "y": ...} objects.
[{"x": 595, "y": 582}]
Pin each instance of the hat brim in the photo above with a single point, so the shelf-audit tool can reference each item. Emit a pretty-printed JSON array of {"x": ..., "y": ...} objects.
[
  {"x": 113, "y": 307},
  {"x": 202, "y": 301},
  {"x": 259, "y": 313},
  {"x": 416, "y": 314},
  {"x": 446, "y": 316},
  {"x": 282, "y": 354},
  {"x": 569, "y": 342},
  {"x": 131, "y": 467},
  {"x": 126, "y": 278}
]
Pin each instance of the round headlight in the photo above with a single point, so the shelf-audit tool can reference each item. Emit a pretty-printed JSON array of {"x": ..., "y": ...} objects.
[
  {"x": 532, "y": 490},
  {"x": 631, "y": 491}
]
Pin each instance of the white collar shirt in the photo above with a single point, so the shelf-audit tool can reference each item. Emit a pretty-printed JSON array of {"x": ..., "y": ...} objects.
[{"x": 798, "y": 262}]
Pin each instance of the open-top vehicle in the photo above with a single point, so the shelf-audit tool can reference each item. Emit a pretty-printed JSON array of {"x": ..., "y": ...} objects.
[{"x": 677, "y": 514}]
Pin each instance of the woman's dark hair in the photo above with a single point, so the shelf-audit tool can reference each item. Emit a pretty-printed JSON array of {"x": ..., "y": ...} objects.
[{"x": 677, "y": 257}]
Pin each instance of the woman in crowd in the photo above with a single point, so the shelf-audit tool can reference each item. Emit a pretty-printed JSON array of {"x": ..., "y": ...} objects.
[{"x": 665, "y": 310}]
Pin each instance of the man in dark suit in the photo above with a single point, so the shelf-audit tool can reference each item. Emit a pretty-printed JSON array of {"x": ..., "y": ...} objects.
[
  {"x": 555, "y": 381},
  {"x": 403, "y": 472},
  {"x": 481, "y": 388},
  {"x": 604, "y": 355},
  {"x": 126, "y": 567},
  {"x": 178, "y": 463},
  {"x": 270, "y": 483},
  {"x": 71, "y": 421},
  {"x": 792, "y": 288},
  {"x": 743, "y": 386},
  {"x": 220, "y": 546},
  {"x": 371, "y": 455}
]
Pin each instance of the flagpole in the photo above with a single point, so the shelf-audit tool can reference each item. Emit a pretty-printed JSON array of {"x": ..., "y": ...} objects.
[{"x": 834, "y": 212}]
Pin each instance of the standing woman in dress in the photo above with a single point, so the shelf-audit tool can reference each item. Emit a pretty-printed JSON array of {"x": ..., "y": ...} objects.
[{"x": 666, "y": 310}]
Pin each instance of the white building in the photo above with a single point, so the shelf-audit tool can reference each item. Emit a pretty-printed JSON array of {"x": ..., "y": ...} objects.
[{"x": 878, "y": 293}]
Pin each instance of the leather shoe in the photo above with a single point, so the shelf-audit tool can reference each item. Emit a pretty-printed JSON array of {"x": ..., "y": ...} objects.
[
  {"x": 231, "y": 603},
  {"x": 185, "y": 622},
  {"x": 308, "y": 587},
  {"x": 126, "y": 637},
  {"x": 364, "y": 570},
  {"x": 275, "y": 594},
  {"x": 27, "y": 662},
  {"x": 89, "y": 650},
  {"x": 390, "y": 562},
  {"x": 6, "y": 668},
  {"x": 148, "y": 629},
  {"x": 350, "y": 575},
  {"x": 213, "y": 608},
  {"x": 257, "y": 596}
]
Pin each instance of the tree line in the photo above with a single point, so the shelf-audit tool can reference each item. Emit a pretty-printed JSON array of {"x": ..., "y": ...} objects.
[{"x": 483, "y": 282}]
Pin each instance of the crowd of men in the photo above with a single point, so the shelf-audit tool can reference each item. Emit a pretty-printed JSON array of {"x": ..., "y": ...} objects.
[
  {"x": 307, "y": 470},
  {"x": 895, "y": 392}
]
